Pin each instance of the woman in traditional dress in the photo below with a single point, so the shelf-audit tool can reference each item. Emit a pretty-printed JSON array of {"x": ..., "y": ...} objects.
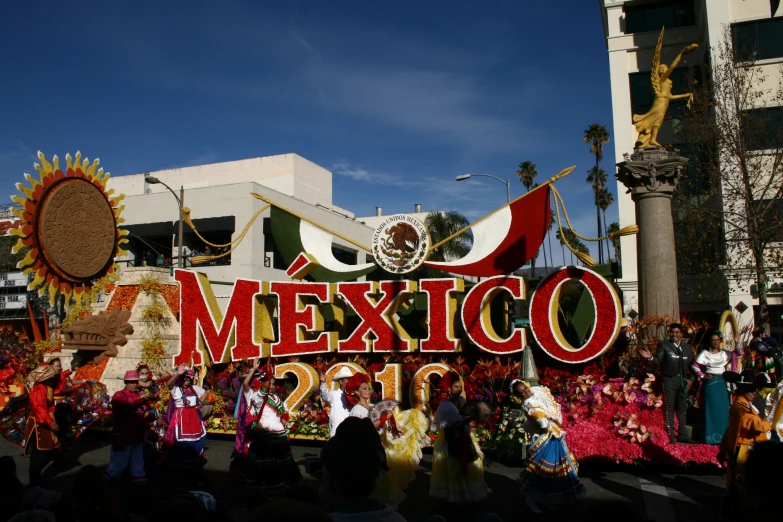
[
  {"x": 550, "y": 478},
  {"x": 402, "y": 435},
  {"x": 457, "y": 460},
  {"x": 185, "y": 434},
  {"x": 40, "y": 436},
  {"x": 709, "y": 367},
  {"x": 269, "y": 464}
]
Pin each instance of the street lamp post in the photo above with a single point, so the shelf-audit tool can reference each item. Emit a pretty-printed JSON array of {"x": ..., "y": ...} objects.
[
  {"x": 463, "y": 177},
  {"x": 180, "y": 201}
]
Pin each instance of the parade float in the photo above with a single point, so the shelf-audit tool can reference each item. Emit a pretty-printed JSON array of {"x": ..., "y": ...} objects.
[{"x": 404, "y": 332}]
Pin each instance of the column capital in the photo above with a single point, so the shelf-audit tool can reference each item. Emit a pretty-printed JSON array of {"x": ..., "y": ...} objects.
[{"x": 651, "y": 172}]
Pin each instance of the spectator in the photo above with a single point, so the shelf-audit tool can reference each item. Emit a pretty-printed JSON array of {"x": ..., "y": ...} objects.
[
  {"x": 86, "y": 500},
  {"x": 287, "y": 510},
  {"x": 760, "y": 482},
  {"x": 11, "y": 486},
  {"x": 351, "y": 466},
  {"x": 36, "y": 515}
]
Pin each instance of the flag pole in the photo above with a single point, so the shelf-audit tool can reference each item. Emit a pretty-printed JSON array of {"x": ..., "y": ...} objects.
[
  {"x": 297, "y": 215},
  {"x": 563, "y": 173}
]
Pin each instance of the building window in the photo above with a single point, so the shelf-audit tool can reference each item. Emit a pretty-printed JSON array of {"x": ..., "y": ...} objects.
[
  {"x": 344, "y": 256},
  {"x": 775, "y": 320},
  {"x": 377, "y": 275},
  {"x": 642, "y": 95},
  {"x": 763, "y": 128},
  {"x": 654, "y": 16},
  {"x": 758, "y": 40},
  {"x": 694, "y": 183},
  {"x": 277, "y": 261}
]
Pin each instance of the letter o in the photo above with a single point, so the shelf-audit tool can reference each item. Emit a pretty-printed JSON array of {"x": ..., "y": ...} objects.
[{"x": 544, "y": 308}]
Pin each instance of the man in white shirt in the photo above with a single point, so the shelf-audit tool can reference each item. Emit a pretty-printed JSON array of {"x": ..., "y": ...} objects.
[{"x": 340, "y": 407}]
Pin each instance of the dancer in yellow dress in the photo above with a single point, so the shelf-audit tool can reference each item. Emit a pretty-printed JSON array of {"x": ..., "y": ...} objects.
[
  {"x": 402, "y": 435},
  {"x": 457, "y": 461}
]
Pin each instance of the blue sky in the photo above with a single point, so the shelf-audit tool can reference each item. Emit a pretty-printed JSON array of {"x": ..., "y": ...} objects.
[{"x": 396, "y": 98}]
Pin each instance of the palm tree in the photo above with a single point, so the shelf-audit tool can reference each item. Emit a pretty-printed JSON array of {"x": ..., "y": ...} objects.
[
  {"x": 596, "y": 135},
  {"x": 614, "y": 227},
  {"x": 581, "y": 247},
  {"x": 441, "y": 225},
  {"x": 605, "y": 200},
  {"x": 597, "y": 177},
  {"x": 527, "y": 173},
  {"x": 570, "y": 237}
]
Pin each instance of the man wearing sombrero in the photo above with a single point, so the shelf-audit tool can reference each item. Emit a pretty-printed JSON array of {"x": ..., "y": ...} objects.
[
  {"x": 746, "y": 428},
  {"x": 129, "y": 413},
  {"x": 340, "y": 408}
]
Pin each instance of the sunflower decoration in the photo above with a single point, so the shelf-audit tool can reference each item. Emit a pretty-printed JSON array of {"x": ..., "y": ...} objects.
[{"x": 68, "y": 227}]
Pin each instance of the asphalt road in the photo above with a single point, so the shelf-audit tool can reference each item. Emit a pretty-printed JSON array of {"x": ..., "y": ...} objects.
[{"x": 613, "y": 494}]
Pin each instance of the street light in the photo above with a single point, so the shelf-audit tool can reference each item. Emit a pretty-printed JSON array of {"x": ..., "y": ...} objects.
[
  {"x": 463, "y": 177},
  {"x": 152, "y": 180}
]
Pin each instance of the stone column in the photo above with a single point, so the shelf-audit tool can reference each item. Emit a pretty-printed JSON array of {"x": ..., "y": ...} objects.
[{"x": 651, "y": 177}]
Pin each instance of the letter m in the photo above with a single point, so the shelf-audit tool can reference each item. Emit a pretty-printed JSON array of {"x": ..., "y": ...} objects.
[{"x": 203, "y": 329}]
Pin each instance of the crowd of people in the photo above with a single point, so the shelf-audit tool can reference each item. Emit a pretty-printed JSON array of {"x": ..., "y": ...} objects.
[
  {"x": 375, "y": 449},
  {"x": 739, "y": 393},
  {"x": 368, "y": 463}
]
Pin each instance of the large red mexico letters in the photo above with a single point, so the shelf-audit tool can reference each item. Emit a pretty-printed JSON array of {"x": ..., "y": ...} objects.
[{"x": 245, "y": 330}]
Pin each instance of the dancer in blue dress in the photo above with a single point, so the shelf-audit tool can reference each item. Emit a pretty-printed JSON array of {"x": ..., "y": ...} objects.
[{"x": 550, "y": 478}]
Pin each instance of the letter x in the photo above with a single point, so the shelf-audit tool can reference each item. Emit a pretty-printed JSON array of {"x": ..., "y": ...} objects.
[{"x": 377, "y": 316}]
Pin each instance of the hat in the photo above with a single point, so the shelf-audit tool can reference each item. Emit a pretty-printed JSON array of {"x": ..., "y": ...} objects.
[
  {"x": 355, "y": 381},
  {"x": 344, "y": 373},
  {"x": 41, "y": 374},
  {"x": 519, "y": 381},
  {"x": 624, "y": 322},
  {"x": 747, "y": 381},
  {"x": 266, "y": 372},
  {"x": 131, "y": 375}
]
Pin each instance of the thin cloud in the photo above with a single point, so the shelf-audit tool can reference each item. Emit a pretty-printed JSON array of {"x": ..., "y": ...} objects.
[
  {"x": 18, "y": 152},
  {"x": 205, "y": 158},
  {"x": 445, "y": 106},
  {"x": 358, "y": 173}
]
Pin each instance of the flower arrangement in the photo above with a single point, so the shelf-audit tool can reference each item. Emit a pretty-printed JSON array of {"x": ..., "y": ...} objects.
[
  {"x": 17, "y": 358},
  {"x": 504, "y": 435},
  {"x": 154, "y": 318}
]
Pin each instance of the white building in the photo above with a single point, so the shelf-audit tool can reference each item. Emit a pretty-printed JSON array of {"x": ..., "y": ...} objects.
[
  {"x": 219, "y": 196},
  {"x": 631, "y": 28},
  {"x": 221, "y": 204}
]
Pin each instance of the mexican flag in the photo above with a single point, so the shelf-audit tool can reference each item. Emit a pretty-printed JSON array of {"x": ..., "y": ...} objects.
[{"x": 307, "y": 250}]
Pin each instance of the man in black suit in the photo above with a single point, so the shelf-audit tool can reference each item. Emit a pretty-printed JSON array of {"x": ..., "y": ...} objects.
[{"x": 674, "y": 359}]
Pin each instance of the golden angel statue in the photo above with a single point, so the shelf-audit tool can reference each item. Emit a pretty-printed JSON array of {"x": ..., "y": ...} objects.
[{"x": 647, "y": 125}]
